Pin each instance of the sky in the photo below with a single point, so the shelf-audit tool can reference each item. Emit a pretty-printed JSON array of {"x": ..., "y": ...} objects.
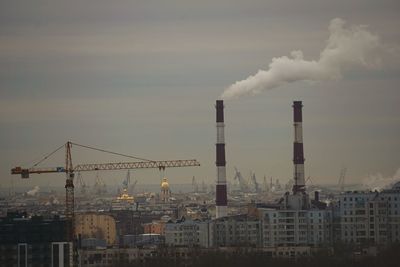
[{"x": 141, "y": 78}]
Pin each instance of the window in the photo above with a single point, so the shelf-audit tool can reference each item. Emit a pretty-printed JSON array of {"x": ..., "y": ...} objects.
[{"x": 22, "y": 255}]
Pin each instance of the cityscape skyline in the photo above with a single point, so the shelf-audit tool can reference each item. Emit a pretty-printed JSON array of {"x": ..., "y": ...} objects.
[{"x": 142, "y": 79}]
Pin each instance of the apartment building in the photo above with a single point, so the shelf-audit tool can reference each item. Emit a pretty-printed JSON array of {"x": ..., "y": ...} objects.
[
  {"x": 296, "y": 227},
  {"x": 236, "y": 230},
  {"x": 370, "y": 217},
  {"x": 187, "y": 233}
]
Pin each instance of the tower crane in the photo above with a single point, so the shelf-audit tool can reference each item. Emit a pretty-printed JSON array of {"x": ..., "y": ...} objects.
[{"x": 70, "y": 170}]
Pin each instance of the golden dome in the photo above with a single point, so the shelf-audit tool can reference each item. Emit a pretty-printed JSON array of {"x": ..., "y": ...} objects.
[
  {"x": 125, "y": 196},
  {"x": 164, "y": 183}
]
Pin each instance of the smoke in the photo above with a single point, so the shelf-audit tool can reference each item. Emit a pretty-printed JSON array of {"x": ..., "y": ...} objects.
[
  {"x": 378, "y": 182},
  {"x": 33, "y": 191},
  {"x": 347, "y": 48}
]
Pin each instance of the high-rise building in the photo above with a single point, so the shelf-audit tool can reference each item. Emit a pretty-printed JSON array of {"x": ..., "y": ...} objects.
[
  {"x": 187, "y": 233},
  {"x": 95, "y": 225},
  {"x": 34, "y": 241},
  {"x": 368, "y": 218},
  {"x": 296, "y": 227},
  {"x": 236, "y": 230}
]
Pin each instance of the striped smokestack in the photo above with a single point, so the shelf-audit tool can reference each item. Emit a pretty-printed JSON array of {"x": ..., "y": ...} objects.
[
  {"x": 221, "y": 192},
  {"x": 298, "y": 154}
]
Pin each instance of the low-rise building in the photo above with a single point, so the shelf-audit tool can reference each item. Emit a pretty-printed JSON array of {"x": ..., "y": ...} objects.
[{"x": 154, "y": 227}]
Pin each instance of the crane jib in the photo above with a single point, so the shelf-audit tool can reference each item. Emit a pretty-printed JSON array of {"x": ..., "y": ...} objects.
[{"x": 109, "y": 166}]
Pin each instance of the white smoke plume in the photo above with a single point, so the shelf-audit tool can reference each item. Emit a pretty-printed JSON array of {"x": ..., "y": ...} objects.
[
  {"x": 347, "y": 48},
  {"x": 378, "y": 182},
  {"x": 33, "y": 191}
]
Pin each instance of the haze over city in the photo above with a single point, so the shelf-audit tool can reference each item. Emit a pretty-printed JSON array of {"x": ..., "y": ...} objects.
[{"x": 141, "y": 78}]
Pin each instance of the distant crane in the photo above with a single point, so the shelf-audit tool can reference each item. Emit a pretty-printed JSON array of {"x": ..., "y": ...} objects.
[
  {"x": 81, "y": 183},
  {"x": 242, "y": 182},
  {"x": 132, "y": 187},
  {"x": 127, "y": 180},
  {"x": 70, "y": 170},
  {"x": 203, "y": 187},
  {"x": 265, "y": 184},
  {"x": 100, "y": 187},
  {"x": 309, "y": 179},
  {"x": 127, "y": 184},
  {"x": 253, "y": 180},
  {"x": 342, "y": 176},
  {"x": 195, "y": 185}
]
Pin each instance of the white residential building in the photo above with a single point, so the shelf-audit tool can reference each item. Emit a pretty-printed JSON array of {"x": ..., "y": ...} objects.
[
  {"x": 282, "y": 227},
  {"x": 370, "y": 217},
  {"x": 236, "y": 230},
  {"x": 187, "y": 233}
]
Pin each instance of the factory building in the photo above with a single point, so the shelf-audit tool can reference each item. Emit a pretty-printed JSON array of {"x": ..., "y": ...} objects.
[{"x": 367, "y": 218}]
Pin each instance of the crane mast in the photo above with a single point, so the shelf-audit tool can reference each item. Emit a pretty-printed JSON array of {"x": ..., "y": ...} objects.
[{"x": 70, "y": 170}]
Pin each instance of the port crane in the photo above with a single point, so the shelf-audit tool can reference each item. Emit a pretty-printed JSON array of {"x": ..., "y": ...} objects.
[
  {"x": 342, "y": 176},
  {"x": 242, "y": 182},
  {"x": 69, "y": 169}
]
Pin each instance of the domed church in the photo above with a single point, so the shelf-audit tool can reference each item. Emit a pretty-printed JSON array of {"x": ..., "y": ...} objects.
[{"x": 165, "y": 191}]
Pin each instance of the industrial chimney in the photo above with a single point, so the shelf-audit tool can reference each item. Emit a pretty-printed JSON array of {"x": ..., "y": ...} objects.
[
  {"x": 298, "y": 154},
  {"x": 221, "y": 192}
]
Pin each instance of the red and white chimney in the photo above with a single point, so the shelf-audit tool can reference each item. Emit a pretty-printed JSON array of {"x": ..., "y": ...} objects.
[
  {"x": 298, "y": 154},
  {"x": 221, "y": 192}
]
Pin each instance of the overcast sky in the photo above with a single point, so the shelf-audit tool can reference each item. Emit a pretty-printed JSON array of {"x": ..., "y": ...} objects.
[{"x": 142, "y": 77}]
